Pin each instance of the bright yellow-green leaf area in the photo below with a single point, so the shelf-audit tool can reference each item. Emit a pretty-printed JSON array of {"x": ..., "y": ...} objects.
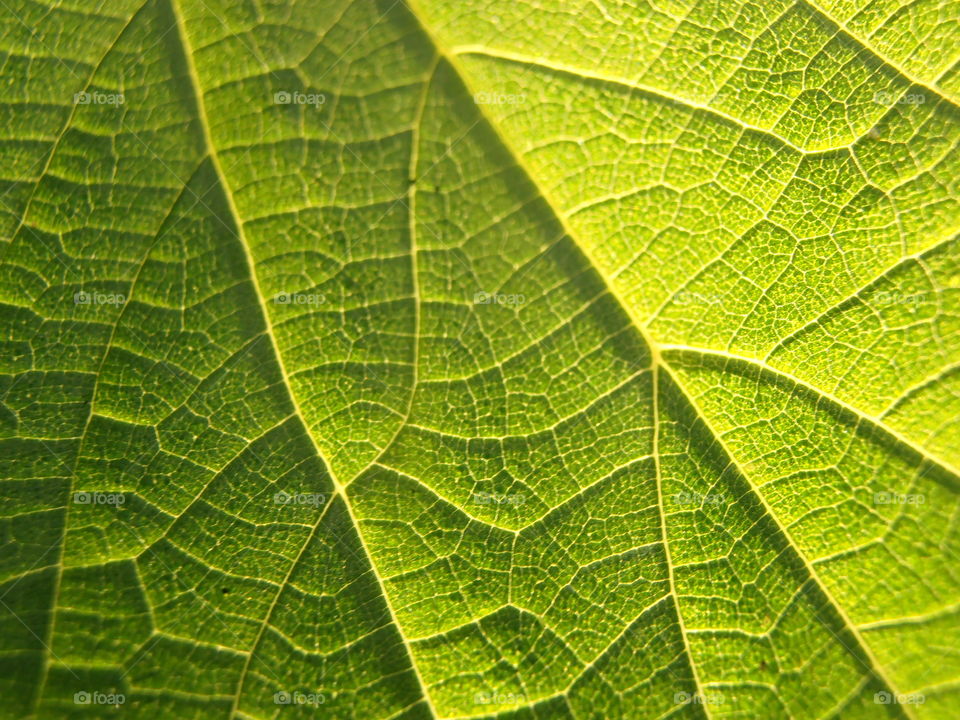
[{"x": 529, "y": 359}]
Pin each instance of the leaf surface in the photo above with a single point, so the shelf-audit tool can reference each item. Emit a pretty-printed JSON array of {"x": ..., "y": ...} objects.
[{"x": 460, "y": 359}]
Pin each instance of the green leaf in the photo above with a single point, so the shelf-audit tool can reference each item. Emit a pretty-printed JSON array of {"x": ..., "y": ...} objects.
[{"x": 535, "y": 359}]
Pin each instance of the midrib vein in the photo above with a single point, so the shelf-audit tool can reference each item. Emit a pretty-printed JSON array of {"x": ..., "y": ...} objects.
[
  {"x": 657, "y": 361},
  {"x": 339, "y": 489}
]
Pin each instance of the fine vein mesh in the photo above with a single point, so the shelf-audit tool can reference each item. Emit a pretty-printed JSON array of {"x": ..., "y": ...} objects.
[{"x": 642, "y": 481}]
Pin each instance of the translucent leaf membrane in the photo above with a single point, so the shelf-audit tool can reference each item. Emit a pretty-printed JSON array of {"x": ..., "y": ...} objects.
[{"x": 459, "y": 360}]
